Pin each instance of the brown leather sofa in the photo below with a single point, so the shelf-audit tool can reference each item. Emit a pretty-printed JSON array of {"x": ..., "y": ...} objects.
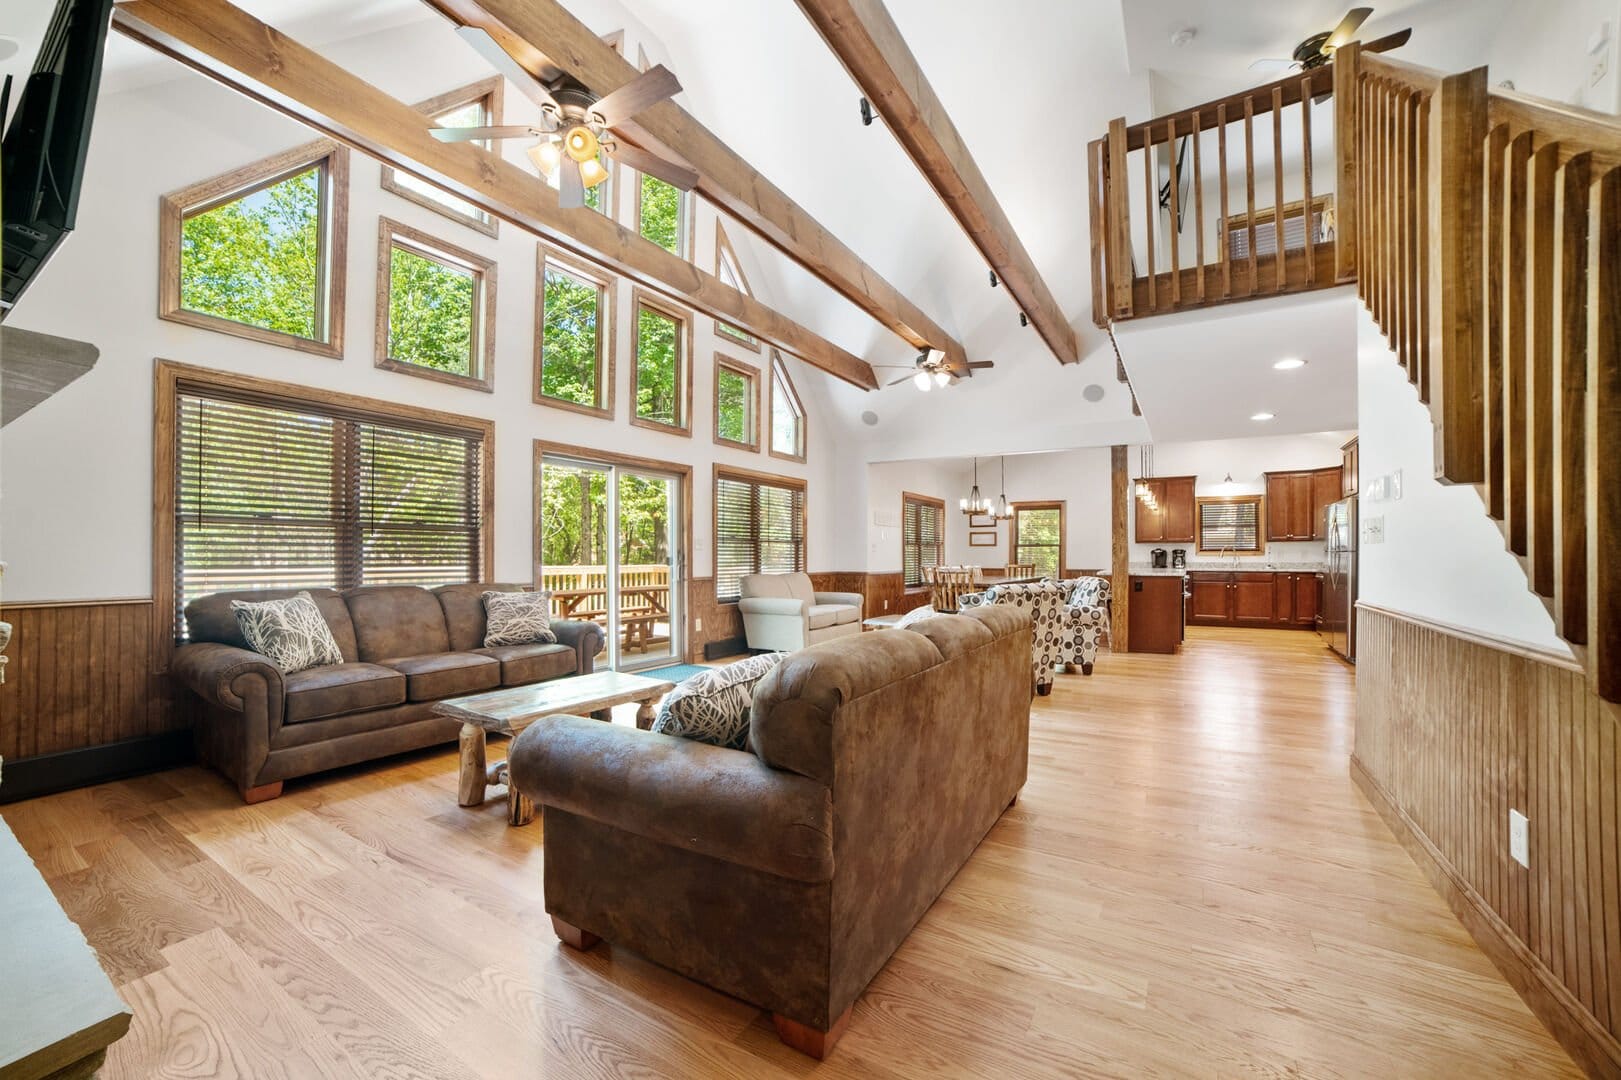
[
  {"x": 786, "y": 874},
  {"x": 403, "y": 647}
]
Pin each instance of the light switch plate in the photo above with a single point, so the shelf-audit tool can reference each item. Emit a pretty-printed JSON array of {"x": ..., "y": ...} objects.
[
  {"x": 1519, "y": 838},
  {"x": 1395, "y": 484},
  {"x": 1373, "y": 530}
]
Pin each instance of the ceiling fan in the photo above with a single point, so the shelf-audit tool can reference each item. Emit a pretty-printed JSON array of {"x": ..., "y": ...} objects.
[
  {"x": 575, "y": 124},
  {"x": 1319, "y": 48},
  {"x": 931, "y": 370}
]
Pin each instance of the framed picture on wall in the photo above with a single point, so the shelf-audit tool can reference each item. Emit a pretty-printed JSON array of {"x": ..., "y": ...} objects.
[
  {"x": 981, "y": 521},
  {"x": 982, "y": 539}
]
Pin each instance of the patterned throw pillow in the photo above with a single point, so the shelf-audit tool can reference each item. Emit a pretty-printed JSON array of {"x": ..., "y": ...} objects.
[
  {"x": 291, "y": 632},
  {"x": 713, "y": 707},
  {"x": 518, "y": 618},
  {"x": 916, "y": 615}
]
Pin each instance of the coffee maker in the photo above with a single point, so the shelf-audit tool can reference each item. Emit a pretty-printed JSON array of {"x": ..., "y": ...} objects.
[
  {"x": 1157, "y": 559},
  {"x": 1179, "y": 558}
]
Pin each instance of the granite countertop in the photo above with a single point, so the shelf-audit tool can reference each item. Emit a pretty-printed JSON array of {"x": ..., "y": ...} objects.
[{"x": 1143, "y": 570}]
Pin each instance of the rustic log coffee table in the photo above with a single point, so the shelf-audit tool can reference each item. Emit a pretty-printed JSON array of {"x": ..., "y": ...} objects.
[{"x": 509, "y": 711}]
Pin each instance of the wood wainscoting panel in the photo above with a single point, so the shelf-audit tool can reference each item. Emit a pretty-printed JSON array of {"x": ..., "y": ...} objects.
[
  {"x": 81, "y": 675},
  {"x": 1452, "y": 733},
  {"x": 721, "y": 622}
]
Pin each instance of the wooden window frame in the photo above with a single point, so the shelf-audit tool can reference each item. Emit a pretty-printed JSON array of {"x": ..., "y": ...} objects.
[
  {"x": 482, "y": 346},
  {"x": 640, "y": 299},
  {"x": 752, "y": 374},
  {"x": 923, "y": 500},
  {"x": 1063, "y": 529},
  {"x": 170, "y": 377},
  {"x": 726, "y": 255},
  {"x": 607, "y": 327},
  {"x": 750, "y": 476},
  {"x": 780, "y": 368},
  {"x": 1202, "y": 501},
  {"x": 1264, "y": 219},
  {"x": 684, "y": 215},
  {"x": 491, "y": 92},
  {"x": 333, "y": 160}
]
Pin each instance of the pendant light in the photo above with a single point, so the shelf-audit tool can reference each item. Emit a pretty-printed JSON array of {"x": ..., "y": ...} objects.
[
  {"x": 1003, "y": 511},
  {"x": 975, "y": 503}
]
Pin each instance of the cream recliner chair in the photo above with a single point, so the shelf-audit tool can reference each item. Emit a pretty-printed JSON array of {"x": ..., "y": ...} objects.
[{"x": 783, "y": 612}]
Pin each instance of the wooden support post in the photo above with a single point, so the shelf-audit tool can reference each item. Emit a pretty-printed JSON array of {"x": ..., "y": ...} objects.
[
  {"x": 1120, "y": 549},
  {"x": 1346, "y": 126},
  {"x": 1458, "y": 127}
]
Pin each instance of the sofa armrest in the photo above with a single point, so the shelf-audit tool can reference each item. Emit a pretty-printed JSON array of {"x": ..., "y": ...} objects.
[
  {"x": 222, "y": 674},
  {"x": 726, "y": 804},
  {"x": 771, "y": 605},
  {"x": 852, "y": 599},
  {"x": 584, "y": 637}
]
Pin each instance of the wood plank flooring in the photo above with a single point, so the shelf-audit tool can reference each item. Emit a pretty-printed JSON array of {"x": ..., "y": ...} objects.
[{"x": 1189, "y": 886}]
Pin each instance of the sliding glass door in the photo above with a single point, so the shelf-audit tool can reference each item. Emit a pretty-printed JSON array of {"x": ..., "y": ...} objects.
[{"x": 611, "y": 551}]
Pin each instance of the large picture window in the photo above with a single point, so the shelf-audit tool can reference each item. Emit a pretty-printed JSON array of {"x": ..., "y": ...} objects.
[
  {"x": 259, "y": 252},
  {"x": 478, "y": 105},
  {"x": 1037, "y": 537},
  {"x": 435, "y": 308},
  {"x": 575, "y": 356},
  {"x": 923, "y": 536},
  {"x": 663, "y": 374},
  {"x": 759, "y": 528},
  {"x": 281, "y": 487}
]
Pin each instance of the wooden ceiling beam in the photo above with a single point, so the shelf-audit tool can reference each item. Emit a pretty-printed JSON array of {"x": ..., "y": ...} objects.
[
  {"x": 234, "y": 48},
  {"x": 864, "y": 37},
  {"x": 542, "y": 31}
]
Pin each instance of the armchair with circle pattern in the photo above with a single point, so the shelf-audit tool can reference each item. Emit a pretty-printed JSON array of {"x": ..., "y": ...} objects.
[
  {"x": 1086, "y": 613},
  {"x": 1045, "y": 602}
]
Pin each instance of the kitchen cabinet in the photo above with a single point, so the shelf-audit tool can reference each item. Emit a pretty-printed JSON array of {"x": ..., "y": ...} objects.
[
  {"x": 1295, "y": 502},
  {"x": 1171, "y": 521},
  {"x": 1155, "y": 622},
  {"x": 1280, "y": 600},
  {"x": 1210, "y": 599},
  {"x": 1253, "y": 599},
  {"x": 1350, "y": 469}
]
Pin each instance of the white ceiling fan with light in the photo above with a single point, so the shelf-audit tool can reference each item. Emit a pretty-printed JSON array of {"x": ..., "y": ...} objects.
[
  {"x": 1319, "y": 48},
  {"x": 931, "y": 369},
  {"x": 576, "y": 126}
]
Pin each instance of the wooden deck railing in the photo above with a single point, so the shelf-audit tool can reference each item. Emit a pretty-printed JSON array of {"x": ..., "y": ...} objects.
[{"x": 581, "y": 592}]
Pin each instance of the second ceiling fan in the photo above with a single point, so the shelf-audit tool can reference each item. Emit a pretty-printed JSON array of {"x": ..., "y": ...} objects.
[{"x": 576, "y": 125}]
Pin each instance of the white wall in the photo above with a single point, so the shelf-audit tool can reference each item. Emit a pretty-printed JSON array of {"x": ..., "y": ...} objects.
[
  {"x": 76, "y": 520},
  {"x": 1442, "y": 557},
  {"x": 1546, "y": 49},
  {"x": 1248, "y": 460}
]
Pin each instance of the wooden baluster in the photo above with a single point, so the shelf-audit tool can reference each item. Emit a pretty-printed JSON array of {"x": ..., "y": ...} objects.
[
  {"x": 1280, "y": 248},
  {"x": 1364, "y": 268},
  {"x": 1421, "y": 196},
  {"x": 1119, "y": 221},
  {"x": 1516, "y": 159},
  {"x": 1305, "y": 179},
  {"x": 1413, "y": 186},
  {"x": 1175, "y": 226},
  {"x": 1099, "y": 238},
  {"x": 1222, "y": 244},
  {"x": 1492, "y": 316},
  {"x": 1604, "y": 437},
  {"x": 1249, "y": 182},
  {"x": 1198, "y": 206},
  {"x": 1571, "y": 193},
  {"x": 1152, "y": 212},
  {"x": 1348, "y": 156},
  {"x": 1538, "y": 438},
  {"x": 1460, "y": 126},
  {"x": 1398, "y": 233},
  {"x": 1381, "y": 208},
  {"x": 1387, "y": 213}
]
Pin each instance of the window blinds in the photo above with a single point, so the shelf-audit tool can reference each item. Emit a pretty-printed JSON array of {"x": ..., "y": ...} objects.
[
  {"x": 759, "y": 529},
  {"x": 1266, "y": 234},
  {"x": 922, "y": 538},
  {"x": 283, "y": 495},
  {"x": 1230, "y": 526}
]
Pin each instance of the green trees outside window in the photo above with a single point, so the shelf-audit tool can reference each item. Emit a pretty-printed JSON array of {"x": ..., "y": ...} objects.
[
  {"x": 660, "y": 374},
  {"x": 256, "y": 260},
  {"x": 1038, "y": 537},
  {"x": 734, "y": 406},
  {"x": 570, "y": 350},
  {"x": 432, "y": 313},
  {"x": 659, "y": 217}
]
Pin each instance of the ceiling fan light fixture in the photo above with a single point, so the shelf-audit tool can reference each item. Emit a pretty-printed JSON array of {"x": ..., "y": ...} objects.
[
  {"x": 922, "y": 381},
  {"x": 942, "y": 377},
  {"x": 581, "y": 144},
  {"x": 546, "y": 156},
  {"x": 592, "y": 173}
]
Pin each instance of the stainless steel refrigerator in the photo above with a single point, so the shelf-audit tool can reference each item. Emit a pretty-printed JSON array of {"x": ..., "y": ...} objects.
[{"x": 1339, "y": 582}]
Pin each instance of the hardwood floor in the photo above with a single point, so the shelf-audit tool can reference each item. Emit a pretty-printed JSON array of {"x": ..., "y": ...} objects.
[{"x": 1188, "y": 886}]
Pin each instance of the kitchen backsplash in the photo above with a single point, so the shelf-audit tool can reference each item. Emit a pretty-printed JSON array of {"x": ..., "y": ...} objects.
[{"x": 1282, "y": 551}]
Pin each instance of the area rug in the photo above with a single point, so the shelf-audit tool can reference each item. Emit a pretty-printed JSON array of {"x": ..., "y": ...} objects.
[{"x": 674, "y": 673}]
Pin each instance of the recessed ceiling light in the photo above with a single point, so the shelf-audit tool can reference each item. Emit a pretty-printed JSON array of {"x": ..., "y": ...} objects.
[
  {"x": 1263, "y": 416},
  {"x": 1289, "y": 363},
  {"x": 9, "y": 47}
]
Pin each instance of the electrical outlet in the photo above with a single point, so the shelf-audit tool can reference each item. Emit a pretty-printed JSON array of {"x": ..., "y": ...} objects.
[
  {"x": 698, "y": 626},
  {"x": 1373, "y": 530},
  {"x": 1519, "y": 838}
]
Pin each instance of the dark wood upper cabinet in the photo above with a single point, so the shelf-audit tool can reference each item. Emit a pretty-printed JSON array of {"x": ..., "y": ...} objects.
[
  {"x": 1350, "y": 469},
  {"x": 1295, "y": 502},
  {"x": 1172, "y": 521},
  {"x": 1325, "y": 490}
]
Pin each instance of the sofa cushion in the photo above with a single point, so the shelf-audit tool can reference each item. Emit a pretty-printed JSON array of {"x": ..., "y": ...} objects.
[
  {"x": 713, "y": 706},
  {"x": 518, "y": 618},
  {"x": 209, "y": 618},
  {"x": 291, "y": 632},
  {"x": 445, "y": 674},
  {"x": 396, "y": 620},
  {"x": 521, "y": 664},
  {"x": 791, "y": 586},
  {"x": 464, "y": 611},
  {"x": 846, "y": 613},
  {"x": 339, "y": 689},
  {"x": 825, "y": 615}
]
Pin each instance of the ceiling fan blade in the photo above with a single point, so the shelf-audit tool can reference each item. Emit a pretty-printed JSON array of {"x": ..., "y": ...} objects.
[
  {"x": 477, "y": 134},
  {"x": 1346, "y": 30},
  {"x": 979, "y": 365},
  {"x": 1389, "y": 41},
  {"x": 570, "y": 187},
  {"x": 653, "y": 165},
  {"x": 649, "y": 88},
  {"x": 897, "y": 382},
  {"x": 1273, "y": 65},
  {"x": 502, "y": 61}
]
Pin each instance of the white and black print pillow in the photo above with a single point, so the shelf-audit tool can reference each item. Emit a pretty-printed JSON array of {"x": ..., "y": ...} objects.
[
  {"x": 518, "y": 618},
  {"x": 291, "y": 632},
  {"x": 916, "y": 615},
  {"x": 713, "y": 707}
]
